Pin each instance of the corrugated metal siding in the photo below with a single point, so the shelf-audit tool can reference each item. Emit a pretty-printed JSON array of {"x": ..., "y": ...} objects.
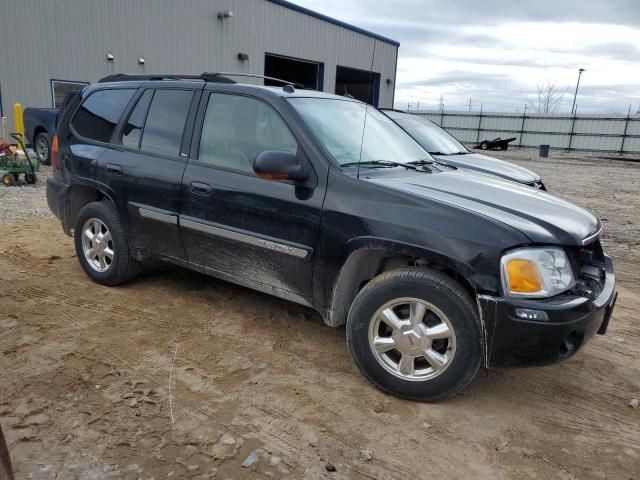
[
  {"x": 69, "y": 40},
  {"x": 604, "y": 133}
]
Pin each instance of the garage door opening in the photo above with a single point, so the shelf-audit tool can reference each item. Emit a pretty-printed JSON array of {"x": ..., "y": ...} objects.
[
  {"x": 295, "y": 70},
  {"x": 360, "y": 84}
]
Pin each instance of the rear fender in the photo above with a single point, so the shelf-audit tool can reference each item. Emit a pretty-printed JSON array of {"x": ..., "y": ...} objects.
[{"x": 84, "y": 191}]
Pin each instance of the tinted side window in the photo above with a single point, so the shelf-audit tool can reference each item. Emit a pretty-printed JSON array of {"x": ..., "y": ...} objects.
[
  {"x": 165, "y": 121},
  {"x": 133, "y": 128},
  {"x": 236, "y": 129},
  {"x": 97, "y": 117}
]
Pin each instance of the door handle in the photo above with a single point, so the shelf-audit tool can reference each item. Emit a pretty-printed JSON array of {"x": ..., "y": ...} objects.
[
  {"x": 113, "y": 169},
  {"x": 200, "y": 188}
]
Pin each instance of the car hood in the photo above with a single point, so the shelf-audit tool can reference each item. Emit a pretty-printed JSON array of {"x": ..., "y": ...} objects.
[
  {"x": 540, "y": 216},
  {"x": 491, "y": 166}
]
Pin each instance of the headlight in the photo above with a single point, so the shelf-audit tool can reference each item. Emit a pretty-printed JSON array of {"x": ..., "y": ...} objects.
[{"x": 536, "y": 272}]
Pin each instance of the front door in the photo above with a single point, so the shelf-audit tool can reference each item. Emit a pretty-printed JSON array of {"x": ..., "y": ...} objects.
[{"x": 247, "y": 229}]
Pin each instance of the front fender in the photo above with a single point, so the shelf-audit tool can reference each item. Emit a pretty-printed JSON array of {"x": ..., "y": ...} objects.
[{"x": 367, "y": 255}]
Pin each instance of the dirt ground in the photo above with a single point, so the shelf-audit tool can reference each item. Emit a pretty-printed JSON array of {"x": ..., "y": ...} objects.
[{"x": 177, "y": 375}]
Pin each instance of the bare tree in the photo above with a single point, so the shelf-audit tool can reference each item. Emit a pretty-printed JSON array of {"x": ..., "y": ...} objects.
[{"x": 548, "y": 97}]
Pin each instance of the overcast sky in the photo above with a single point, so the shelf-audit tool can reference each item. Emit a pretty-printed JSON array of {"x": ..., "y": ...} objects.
[{"x": 496, "y": 51}]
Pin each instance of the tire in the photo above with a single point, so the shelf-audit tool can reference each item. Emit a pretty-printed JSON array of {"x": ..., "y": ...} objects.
[
  {"x": 8, "y": 179},
  {"x": 30, "y": 178},
  {"x": 484, "y": 146},
  {"x": 42, "y": 147},
  {"x": 122, "y": 266},
  {"x": 448, "y": 303}
]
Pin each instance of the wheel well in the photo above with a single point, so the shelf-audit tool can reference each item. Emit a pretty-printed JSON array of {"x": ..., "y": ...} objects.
[
  {"x": 364, "y": 265},
  {"x": 77, "y": 197},
  {"x": 38, "y": 130}
]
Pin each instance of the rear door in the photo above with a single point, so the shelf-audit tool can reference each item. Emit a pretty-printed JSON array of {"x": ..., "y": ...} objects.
[
  {"x": 144, "y": 171},
  {"x": 247, "y": 229},
  {"x": 91, "y": 132}
]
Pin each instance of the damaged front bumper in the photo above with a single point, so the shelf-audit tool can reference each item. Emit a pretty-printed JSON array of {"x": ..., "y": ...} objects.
[{"x": 562, "y": 325}]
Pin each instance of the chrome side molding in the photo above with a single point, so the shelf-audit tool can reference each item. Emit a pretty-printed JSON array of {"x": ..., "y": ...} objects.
[{"x": 295, "y": 250}]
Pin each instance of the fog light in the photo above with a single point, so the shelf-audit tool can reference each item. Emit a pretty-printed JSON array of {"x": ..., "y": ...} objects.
[{"x": 527, "y": 314}]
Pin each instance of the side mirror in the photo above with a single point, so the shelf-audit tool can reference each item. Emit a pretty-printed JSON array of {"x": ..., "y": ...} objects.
[{"x": 279, "y": 165}]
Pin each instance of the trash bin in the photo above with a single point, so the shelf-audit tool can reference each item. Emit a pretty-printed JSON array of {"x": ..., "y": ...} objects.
[{"x": 544, "y": 151}]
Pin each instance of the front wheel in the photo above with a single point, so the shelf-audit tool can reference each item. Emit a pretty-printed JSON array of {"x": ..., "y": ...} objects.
[
  {"x": 415, "y": 333},
  {"x": 8, "y": 179},
  {"x": 102, "y": 246}
]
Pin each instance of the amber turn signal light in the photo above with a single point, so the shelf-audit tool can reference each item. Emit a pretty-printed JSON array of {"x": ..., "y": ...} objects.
[{"x": 523, "y": 276}]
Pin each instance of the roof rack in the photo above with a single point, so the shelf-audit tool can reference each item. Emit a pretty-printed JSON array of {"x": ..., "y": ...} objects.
[
  {"x": 214, "y": 75},
  {"x": 220, "y": 77},
  {"x": 124, "y": 77}
]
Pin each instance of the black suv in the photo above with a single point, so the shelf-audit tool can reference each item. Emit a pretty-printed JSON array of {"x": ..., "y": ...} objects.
[{"x": 325, "y": 201}]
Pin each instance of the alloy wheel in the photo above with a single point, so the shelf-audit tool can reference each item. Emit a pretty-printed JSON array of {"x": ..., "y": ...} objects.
[
  {"x": 97, "y": 245},
  {"x": 412, "y": 339}
]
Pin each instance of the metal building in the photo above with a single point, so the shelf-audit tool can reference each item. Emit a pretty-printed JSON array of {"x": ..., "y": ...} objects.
[{"x": 49, "y": 47}]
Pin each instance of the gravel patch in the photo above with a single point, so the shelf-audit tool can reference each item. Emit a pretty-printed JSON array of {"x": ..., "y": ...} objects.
[{"x": 25, "y": 201}]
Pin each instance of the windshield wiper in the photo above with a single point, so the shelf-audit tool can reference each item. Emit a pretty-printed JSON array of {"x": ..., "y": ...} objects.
[
  {"x": 452, "y": 153},
  {"x": 425, "y": 164},
  {"x": 381, "y": 163}
]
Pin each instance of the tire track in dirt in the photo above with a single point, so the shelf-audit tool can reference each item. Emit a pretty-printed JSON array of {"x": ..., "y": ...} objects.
[
  {"x": 277, "y": 429},
  {"x": 567, "y": 409},
  {"x": 18, "y": 257},
  {"x": 272, "y": 426},
  {"x": 280, "y": 420},
  {"x": 122, "y": 311}
]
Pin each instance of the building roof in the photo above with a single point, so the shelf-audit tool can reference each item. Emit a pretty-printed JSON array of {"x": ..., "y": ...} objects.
[{"x": 320, "y": 16}]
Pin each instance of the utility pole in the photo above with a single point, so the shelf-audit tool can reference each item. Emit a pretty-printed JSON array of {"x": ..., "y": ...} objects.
[
  {"x": 575, "y": 95},
  {"x": 470, "y": 104}
]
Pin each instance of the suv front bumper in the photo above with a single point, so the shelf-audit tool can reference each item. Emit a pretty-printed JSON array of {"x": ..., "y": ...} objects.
[{"x": 515, "y": 342}]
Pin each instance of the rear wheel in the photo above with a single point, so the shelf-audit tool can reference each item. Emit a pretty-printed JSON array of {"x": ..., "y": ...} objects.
[
  {"x": 102, "y": 245},
  {"x": 484, "y": 146},
  {"x": 30, "y": 178},
  {"x": 42, "y": 148},
  {"x": 415, "y": 333}
]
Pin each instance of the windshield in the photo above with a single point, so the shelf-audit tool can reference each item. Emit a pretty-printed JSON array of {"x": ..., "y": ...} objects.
[
  {"x": 430, "y": 136},
  {"x": 339, "y": 125}
]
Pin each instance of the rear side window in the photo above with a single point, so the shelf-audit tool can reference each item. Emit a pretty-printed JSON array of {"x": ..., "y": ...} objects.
[
  {"x": 98, "y": 115},
  {"x": 165, "y": 121},
  {"x": 133, "y": 128}
]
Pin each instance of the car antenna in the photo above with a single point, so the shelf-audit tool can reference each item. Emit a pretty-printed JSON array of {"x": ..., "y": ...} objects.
[{"x": 366, "y": 111}]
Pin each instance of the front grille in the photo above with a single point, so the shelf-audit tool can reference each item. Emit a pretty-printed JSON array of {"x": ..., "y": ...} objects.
[{"x": 589, "y": 269}]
